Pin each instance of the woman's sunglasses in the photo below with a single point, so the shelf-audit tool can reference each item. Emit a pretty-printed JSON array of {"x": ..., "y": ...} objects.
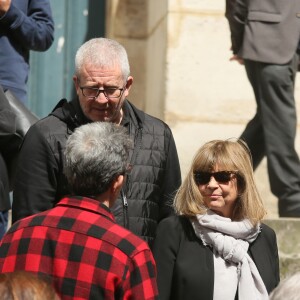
[{"x": 221, "y": 177}]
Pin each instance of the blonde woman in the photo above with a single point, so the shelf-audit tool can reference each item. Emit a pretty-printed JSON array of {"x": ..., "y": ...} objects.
[{"x": 217, "y": 247}]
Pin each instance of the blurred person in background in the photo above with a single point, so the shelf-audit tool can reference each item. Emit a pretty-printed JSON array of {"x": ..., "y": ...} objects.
[{"x": 24, "y": 25}]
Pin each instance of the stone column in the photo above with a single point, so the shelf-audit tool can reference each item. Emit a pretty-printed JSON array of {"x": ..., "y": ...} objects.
[{"x": 141, "y": 27}]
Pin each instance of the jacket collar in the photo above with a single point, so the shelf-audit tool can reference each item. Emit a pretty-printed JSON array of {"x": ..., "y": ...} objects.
[
  {"x": 135, "y": 115},
  {"x": 71, "y": 113},
  {"x": 88, "y": 204}
]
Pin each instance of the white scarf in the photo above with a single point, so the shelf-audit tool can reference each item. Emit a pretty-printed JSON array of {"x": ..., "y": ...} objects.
[{"x": 231, "y": 241}]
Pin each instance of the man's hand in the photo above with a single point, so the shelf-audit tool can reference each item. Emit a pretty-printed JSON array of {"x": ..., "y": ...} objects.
[
  {"x": 237, "y": 58},
  {"x": 4, "y": 6}
]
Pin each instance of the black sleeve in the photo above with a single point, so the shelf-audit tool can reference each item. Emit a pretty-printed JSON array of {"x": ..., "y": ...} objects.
[
  {"x": 237, "y": 20},
  {"x": 4, "y": 186},
  {"x": 36, "y": 180},
  {"x": 264, "y": 252},
  {"x": 172, "y": 177},
  {"x": 229, "y": 14},
  {"x": 165, "y": 250},
  {"x": 274, "y": 247}
]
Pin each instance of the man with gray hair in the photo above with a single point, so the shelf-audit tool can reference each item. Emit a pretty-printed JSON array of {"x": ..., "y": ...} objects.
[
  {"x": 78, "y": 242},
  {"x": 102, "y": 80}
]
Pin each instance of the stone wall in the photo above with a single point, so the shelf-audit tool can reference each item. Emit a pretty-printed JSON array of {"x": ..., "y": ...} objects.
[
  {"x": 141, "y": 26},
  {"x": 208, "y": 97},
  {"x": 179, "y": 52},
  {"x": 288, "y": 240}
]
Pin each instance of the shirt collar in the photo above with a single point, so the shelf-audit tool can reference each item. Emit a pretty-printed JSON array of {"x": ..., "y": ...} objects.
[{"x": 86, "y": 203}]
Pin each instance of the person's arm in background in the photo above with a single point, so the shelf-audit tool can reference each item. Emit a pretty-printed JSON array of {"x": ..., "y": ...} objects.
[
  {"x": 236, "y": 26},
  {"x": 35, "y": 183},
  {"x": 238, "y": 18},
  {"x": 172, "y": 177},
  {"x": 34, "y": 31},
  {"x": 229, "y": 12}
]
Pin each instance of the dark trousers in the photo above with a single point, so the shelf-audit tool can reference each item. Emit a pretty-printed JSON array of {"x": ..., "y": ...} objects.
[{"x": 272, "y": 131}]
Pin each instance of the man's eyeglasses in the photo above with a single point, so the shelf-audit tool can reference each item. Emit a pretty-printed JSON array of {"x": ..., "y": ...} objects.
[
  {"x": 221, "y": 177},
  {"x": 109, "y": 93}
]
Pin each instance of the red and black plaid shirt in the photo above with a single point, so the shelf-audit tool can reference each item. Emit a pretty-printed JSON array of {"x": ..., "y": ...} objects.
[{"x": 86, "y": 253}]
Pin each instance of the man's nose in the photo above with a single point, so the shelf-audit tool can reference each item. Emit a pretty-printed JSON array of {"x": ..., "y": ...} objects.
[{"x": 101, "y": 97}]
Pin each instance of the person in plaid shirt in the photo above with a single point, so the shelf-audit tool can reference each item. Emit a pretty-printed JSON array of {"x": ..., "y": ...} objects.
[{"x": 78, "y": 242}]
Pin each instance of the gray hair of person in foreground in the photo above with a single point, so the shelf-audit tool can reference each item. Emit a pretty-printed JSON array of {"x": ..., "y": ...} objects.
[
  {"x": 288, "y": 289},
  {"x": 102, "y": 53},
  {"x": 95, "y": 154}
]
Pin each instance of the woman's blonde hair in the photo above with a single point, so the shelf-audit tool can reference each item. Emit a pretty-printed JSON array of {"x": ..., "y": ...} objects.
[
  {"x": 22, "y": 285},
  {"x": 228, "y": 155}
]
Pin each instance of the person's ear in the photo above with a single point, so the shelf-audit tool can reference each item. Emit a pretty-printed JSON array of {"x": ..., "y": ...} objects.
[
  {"x": 128, "y": 85},
  {"x": 76, "y": 83},
  {"x": 117, "y": 184}
]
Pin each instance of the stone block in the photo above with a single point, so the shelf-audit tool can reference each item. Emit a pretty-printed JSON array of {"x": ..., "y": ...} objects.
[
  {"x": 288, "y": 240},
  {"x": 138, "y": 18},
  {"x": 197, "y": 5},
  {"x": 147, "y": 58},
  {"x": 200, "y": 75},
  {"x": 141, "y": 26},
  {"x": 156, "y": 78},
  {"x": 137, "y": 55}
]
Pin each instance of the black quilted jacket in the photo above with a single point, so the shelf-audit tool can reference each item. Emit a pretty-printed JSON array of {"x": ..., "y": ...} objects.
[{"x": 149, "y": 190}]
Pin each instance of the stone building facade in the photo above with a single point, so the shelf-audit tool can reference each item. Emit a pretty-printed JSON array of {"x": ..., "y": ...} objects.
[{"x": 179, "y": 52}]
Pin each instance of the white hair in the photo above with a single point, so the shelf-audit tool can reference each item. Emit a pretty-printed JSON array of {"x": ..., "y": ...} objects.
[
  {"x": 288, "y": 289},
  {"x": 94, "y": 155},
  {"x": 103, "y": 53}
]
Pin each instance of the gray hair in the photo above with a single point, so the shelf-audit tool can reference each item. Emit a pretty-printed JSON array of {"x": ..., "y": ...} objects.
[
  {"x": 95, "y": 154},
  {"x": 288, "y": 289},
  {"x": 102, "y": 53}
]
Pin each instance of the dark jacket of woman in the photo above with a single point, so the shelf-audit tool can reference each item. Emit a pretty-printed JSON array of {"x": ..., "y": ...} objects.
[{"x": 186, "y": 267}]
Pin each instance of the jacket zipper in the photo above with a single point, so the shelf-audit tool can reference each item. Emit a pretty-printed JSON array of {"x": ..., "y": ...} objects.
[
  {"x": 124, "y": 191},
  {"x": 125, "y": 206}
]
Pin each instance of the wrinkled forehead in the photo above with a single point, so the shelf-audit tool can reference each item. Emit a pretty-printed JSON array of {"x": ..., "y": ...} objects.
[{"x": 107, "y": 75}]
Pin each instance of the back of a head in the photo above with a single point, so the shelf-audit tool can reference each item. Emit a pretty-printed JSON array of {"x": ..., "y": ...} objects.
[
  {"x": 95, "y": 154},
  {"x": 102, "y": 53},
  {"x": 288, "y": 289},
  {"x": 21, "y": 285}
]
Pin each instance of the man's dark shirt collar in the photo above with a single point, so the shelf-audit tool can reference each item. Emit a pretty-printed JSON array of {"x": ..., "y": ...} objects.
[{"x": 126, "y": 118}]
